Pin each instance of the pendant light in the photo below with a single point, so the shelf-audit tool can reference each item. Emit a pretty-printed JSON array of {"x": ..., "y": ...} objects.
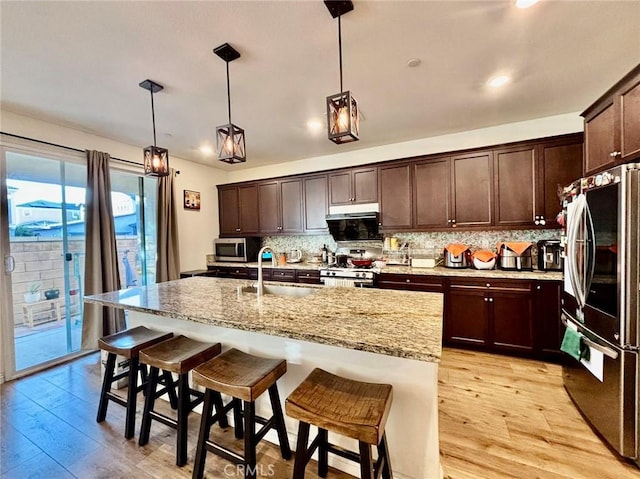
[
  {"x": 229, "y": 137},
  {"x": 343, "y": 116},
  {"x": 156, "y": 159}
]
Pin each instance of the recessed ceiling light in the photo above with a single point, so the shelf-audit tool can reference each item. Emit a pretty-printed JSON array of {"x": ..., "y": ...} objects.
[
  {"x": 414, "y": 62},
  {"x": 525, "y": 3},
  {"x": 498, "y": 81},
  {"x": 314, "y": 125},
  {"x": 206, "y": 150}
]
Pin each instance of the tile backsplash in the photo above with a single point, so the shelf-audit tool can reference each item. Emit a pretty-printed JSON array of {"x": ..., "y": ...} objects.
[{"x": 474, "y": 239}]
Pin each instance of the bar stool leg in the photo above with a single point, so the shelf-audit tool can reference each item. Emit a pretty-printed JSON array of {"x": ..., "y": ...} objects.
[
  {"x": 132, "y": 390},
  {"x": 219, "y": 406},
  {"x": 171, "y": 390},
  {"x": 106, "y": 387},
  {"x": 383, "y": 451},
  {"x": 323, "y": 453},
  {"x": 184, "y": 400},
  {"x": 149, "y": 402},
  {"x": 366, "y": 467},
  {"x": 203, "y": 435},
  {"x": 237, "y": 418},
  {"x": 283, "y": 438},
  {"x": 301, "y": 451},
  {"x": 249, "y": 440}
]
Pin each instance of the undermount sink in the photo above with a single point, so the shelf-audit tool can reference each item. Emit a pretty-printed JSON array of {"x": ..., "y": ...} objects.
[{"x": 294, "y": 291}]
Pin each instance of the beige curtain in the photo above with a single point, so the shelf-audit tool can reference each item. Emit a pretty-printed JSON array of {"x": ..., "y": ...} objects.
[
  {"x": 101, "y": 261},
  {"x": 168, "y": 262}
]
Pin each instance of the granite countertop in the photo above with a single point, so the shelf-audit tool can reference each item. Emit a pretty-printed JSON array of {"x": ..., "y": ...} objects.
[
  {"x": 437, "y": 271},
  {"x": 395, "y": 323}
]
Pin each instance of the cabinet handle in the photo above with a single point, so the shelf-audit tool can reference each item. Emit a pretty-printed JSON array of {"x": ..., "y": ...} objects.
[
  {"x": 408, "y": 280},
  {"x": 491, "y": 300},
  {"x": 613, "y": 154},
  {"x": 237, "y": 229},
  {"x": 536, "y": 222},
  {"x": 488, "y": 285},
  {"x": 486, "y": 299},
  {"x": 538, "y": 288},
  {"x": 542, "y": 221}
]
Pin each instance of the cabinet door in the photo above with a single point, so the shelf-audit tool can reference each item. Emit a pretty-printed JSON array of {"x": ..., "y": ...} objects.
[
  {"x": 248, "y": 209},
  {"x": 228, "y": 210},
  {"x": 340, "y": 188},
  {"x": 268, "y": 208},
  {"x": 512, "y": 321},
  {"x": 472, "y": 190},
  {"x": 395, "y": 197},
  {"x": 547, "y": 332},
  {"x": 514, "y": 181},
  {"x": 365, "y": 185},
  {"x": 315, "y": 204},
  {"x": 291, "y": 206},
  {"x": 467, "y": 319},
  {"x": 560, "y": 165},
  {"x": 600, "y": 141},
  {"x": 630, "y": 122},
  {"x": 432, "y": 194}
]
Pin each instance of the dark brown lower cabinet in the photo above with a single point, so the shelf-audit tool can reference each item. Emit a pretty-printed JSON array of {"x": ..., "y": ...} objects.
[
  {"x": 409, "y": 282},
  {"x": 288, "y": 275},
  {"x": 548, "y": 332},
  {"x": 506, "y": 316},
  {"x": 466, "y": 318},
  {"x": 308, "y": 276}
]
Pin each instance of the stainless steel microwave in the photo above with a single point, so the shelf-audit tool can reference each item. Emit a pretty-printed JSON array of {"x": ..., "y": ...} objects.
[{"x": 236, "y": 250}]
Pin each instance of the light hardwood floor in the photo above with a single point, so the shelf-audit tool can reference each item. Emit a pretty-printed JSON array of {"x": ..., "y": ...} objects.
[{"x": 500, "y": 417}]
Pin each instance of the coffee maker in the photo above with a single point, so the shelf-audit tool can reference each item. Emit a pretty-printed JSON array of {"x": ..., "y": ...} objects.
[{"x": 549, "y": 255}]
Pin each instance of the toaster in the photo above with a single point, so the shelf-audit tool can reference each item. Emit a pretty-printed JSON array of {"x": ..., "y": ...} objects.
[{"x": 549, "y": 255}]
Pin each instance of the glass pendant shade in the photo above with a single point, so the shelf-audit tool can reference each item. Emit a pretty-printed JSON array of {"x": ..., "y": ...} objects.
[
  {"x": 343, "y": 118},
  {"x": 156, "y": 161},
  {"x": 230, "y": 144}
]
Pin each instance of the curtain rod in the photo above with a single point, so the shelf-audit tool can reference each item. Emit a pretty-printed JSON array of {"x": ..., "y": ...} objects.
[{"x": 71, "y": 148}]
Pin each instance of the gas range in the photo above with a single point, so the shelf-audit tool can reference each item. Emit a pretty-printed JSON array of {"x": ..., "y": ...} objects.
[{"x": 358, "y": 275}]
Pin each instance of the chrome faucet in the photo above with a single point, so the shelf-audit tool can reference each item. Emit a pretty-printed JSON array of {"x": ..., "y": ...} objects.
[{"x": 260, "y": 288}]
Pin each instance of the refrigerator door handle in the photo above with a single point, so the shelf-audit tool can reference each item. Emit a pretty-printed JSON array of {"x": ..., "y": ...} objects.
[
  {"x": 572, "y": 258},
  {"x": 590, "y": 243},
  {"x": 603, "y": 349}
]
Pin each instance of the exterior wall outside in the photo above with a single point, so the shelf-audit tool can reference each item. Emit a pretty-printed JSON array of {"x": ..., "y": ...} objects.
[{"x": 42, "y": 263}]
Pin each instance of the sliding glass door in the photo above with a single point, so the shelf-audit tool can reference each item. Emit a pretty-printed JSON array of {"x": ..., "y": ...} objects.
[{"x": 42, "y": 234}]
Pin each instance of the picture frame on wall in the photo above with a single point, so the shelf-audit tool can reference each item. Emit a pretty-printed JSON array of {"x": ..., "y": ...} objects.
[{"x": 191, "y": 200}]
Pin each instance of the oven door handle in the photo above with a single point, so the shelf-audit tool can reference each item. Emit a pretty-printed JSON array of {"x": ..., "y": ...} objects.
[{"x": 611, "y": 353}]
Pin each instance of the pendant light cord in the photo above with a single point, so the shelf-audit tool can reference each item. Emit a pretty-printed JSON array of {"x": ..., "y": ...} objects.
[
  {"x": 340, "y": 48},
  {"x": 228, "y": 94},
  {"x": 153, "y": 117}
]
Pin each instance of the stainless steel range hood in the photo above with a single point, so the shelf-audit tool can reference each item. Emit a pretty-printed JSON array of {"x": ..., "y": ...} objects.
[{"x": 354, "y": 222}]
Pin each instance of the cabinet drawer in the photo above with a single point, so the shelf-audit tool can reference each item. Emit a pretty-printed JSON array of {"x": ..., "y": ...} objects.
[
  {"x": 409, "y": 282},
  {"x": 490, "y": 284},
  {"x": 283, "y": 275},
  {"x": 309, "y": 277}
]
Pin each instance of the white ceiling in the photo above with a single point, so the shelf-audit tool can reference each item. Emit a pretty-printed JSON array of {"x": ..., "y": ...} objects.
[{"x": 78, "y": 63}]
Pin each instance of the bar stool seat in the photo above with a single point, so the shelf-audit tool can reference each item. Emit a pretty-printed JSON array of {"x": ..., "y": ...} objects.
[
  {"x": 244, "y": 377},
  {"x": 177, "y": 355},
  {"x": 128, "y": 344},
  {"x": 354, "y": 409}
]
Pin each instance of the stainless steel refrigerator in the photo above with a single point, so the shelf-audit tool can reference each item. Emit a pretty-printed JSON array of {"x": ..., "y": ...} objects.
[{"x": 600, "y": 301}]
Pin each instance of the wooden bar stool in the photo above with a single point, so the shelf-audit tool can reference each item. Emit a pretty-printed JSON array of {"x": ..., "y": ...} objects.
[
  {"x": 177, "y": 355},
  {"x": 354, "y": 409},
  {"x": 243, "y": 377},
  {"x": 128, "y": 343}
]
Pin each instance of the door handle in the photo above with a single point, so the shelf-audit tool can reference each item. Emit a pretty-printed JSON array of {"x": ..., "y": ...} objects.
[
  {"x": 603, "y": 349},
  {"x": 9, "y": 264}
]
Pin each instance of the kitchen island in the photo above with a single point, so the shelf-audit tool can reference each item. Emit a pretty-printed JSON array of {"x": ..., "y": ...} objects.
[{"x": 366, "y": 334}]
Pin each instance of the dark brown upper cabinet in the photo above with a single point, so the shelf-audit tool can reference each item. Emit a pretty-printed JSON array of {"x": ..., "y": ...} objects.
[
  {"x": 280, "y": 206},
  {"x": 395, "y": 197},
  {"x": 238, "y": 210},
  {"x": 353, "y": 186},
  {"x": 560, "y": 163},
  {"x": 316, "y": 203},
  {"x": 432, "y": 194},
  {"x": 514, "y": 182},
  {"x": 472, "y": 189},
  {"x": 612, "y": 126}
]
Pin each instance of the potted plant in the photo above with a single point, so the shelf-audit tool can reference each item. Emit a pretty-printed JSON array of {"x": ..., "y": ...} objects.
[{"x": 33, "y": 295}]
